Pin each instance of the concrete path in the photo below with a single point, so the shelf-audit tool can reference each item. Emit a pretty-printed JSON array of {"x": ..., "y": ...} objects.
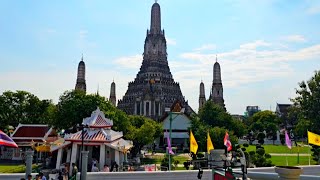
[{"x": 289, "y": 154}]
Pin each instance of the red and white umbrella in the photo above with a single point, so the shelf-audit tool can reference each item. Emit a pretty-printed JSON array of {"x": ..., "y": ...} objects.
[{"x": 5, "y": 140}]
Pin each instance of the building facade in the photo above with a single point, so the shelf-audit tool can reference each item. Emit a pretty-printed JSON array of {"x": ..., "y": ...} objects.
[{"x": 154, "y": 88}]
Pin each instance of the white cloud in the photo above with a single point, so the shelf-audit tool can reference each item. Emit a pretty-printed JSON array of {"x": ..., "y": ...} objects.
[
  {"x": 130, "y": 62},
  {"x": 171, "y": 41},
  {"x": 315, "y": 9},
  {"x": 254, "y": 45},
  {"x": 295, "y": 38},
  {"x": 83, "y": 34},
  {"x": 206, "y": 47}
]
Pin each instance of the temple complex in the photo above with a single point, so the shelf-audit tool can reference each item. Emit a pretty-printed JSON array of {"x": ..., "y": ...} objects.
[{"x": 154, "y": 88}]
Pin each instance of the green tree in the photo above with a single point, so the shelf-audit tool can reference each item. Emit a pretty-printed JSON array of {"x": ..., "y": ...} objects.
[
  {"x": 213, "y": 115},
  {"x": 142, "y": 131},
  {"x": 307, "y": 103},
  {"x": 23, "y": 107},
  {"x": 75, "y": 105},
  {"x": 264, "y": 121},
  {"x": 200, "y": 130},
  {"x": 307, "y": 106}
]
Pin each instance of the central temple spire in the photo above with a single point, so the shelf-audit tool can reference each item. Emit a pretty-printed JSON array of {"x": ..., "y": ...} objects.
[{"x": 155, "y": 26}]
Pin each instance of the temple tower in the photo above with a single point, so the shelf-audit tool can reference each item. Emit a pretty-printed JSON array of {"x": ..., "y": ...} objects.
[
  {"x": 81, "y": 77},
  {"x": 217, "y": 88},
  {"x": 153, "y": 88},
  {"x": 112, "y": 97},
  {"x": 202, "y": 96}
]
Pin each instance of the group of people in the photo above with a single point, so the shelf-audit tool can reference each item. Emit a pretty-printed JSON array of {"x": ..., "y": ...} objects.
[
  {"x": 39, "y": 176},
  {"x": 94, "y": 167}
]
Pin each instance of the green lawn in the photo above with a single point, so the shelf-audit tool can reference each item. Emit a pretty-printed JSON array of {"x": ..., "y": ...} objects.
[
  {"x": 157, "y": 159},
  {"x": 280, "y": 149},
  {"x": 292, "y": 160},
  {"x": 14, "y": 168}
]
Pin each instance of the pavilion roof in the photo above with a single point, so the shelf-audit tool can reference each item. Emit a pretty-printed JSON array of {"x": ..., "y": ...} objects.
[
  {"x": 97, "y": 120},
  {"x": 95, "y": 135}
]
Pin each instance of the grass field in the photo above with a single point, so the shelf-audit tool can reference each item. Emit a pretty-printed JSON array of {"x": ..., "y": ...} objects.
[
  {"x": 12, "y": 168},
  {"x": 292, "y": 160},
  {"x": 157, "y": 159},
  {"x": 280, "y": 149}
]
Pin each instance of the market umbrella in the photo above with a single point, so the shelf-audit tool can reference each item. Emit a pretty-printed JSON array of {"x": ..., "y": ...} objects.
[{"x": 5, "y": 140}]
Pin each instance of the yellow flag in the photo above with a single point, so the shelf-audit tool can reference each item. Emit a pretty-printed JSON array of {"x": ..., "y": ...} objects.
[
  {"x": 193, "y": 144},
  {"x": 209, "y": 144},
  {"x": 313, "y": 138}
]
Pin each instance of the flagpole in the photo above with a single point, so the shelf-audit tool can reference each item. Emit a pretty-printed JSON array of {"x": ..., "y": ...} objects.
[{"x": 309, "y": 152}]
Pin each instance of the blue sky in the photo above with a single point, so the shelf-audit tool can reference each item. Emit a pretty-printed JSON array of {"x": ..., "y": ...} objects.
[{"x": 264, "y": 47}]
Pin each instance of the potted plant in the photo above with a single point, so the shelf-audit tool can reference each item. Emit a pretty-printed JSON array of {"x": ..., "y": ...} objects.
[{"x": 288, "y": 172}]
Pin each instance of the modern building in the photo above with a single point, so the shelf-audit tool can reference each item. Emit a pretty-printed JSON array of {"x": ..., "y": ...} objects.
[
  {"x": 154, "y": 88},
  {"x": 251, "y": 110},
  {"x": 282, "y": 112}
]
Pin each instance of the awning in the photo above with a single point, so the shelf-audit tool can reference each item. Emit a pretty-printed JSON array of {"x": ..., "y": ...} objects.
[
  {"x": 178, "y": 135},
  {"x": 120, "y": 145}
]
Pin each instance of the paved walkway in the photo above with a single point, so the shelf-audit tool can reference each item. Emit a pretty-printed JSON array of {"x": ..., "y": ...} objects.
[{"x": 289, "y": 154}]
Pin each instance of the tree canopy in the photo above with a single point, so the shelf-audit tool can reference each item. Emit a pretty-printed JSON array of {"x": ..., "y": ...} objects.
[
  {"x": 264, "y": 121},
  {"x": 307, "y": 104},
  {"x": 213, "y": 119},
  {"x": 24, "y": 107}
]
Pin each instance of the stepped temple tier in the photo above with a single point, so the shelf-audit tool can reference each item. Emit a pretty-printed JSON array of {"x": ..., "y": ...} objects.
[{"x": 154, "y": 88}]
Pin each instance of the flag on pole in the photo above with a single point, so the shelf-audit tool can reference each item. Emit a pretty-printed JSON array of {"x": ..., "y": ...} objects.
[
  {"x": 288, "y": 141},
  {"x": 169, "y": 144},
  {"x": 5, "y": 140},
  {"x": 209, "y": 143},
  {"x": 227, "y": 142},
  {"x": 193, "y": 144},
  {"x": 313, "y": 138}
]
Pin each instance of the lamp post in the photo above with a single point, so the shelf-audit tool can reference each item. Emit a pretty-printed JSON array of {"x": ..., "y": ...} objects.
[
  {"x": 170, "y": 128},
  {"x": 81, "y": 127}
]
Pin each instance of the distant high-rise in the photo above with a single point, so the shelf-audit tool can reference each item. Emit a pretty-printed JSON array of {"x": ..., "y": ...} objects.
[
  {"x": 202, "y": 96},
  {"x": 153, "y": 89},
  {"x": 217, "y": 88},
  {"x": 112, "y": 97},
  {"x": 81, "y": 77}
]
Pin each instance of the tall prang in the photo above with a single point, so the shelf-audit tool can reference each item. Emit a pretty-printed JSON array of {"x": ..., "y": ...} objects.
[
  {"x": 217, "y": 88},
  {"x": 81, "y": 76},
  {"x": 202, "y": 96},
  {"x": 153, "y": 89},
  {"x": 112, "y": 97}
]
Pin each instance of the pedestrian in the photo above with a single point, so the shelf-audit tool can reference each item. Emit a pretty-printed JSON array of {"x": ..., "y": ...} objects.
[
  {"x": 95, "y": 168},
  {"x": 42, "y": 177},
  {"x": 74, "y": 169},
  {"x": 29, "y": 177},
  {"x": 106, "y": 168},
  {"x": 60, "y": 177}
]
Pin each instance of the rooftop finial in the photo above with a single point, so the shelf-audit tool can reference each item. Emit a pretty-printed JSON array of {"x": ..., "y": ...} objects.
[
  {"x": 155, "y": 1},
  {"x": 82, "y": 57},
  {"x": 216, "y": 58}
]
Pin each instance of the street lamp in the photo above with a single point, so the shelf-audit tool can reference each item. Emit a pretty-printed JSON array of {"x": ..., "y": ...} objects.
[
  {"x": 81, "y": 127},
  {"x": 178, "y": 111}
]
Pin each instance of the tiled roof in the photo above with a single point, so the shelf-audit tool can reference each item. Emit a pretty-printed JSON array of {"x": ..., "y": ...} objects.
[
  {"x": 31, "y": 131},
  {"x": 100, "y": 135},
  {"x": 97, "y": 120}
]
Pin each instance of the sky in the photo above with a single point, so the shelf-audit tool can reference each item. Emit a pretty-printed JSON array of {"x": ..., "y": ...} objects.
[{"x": 265, "y": 48}]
